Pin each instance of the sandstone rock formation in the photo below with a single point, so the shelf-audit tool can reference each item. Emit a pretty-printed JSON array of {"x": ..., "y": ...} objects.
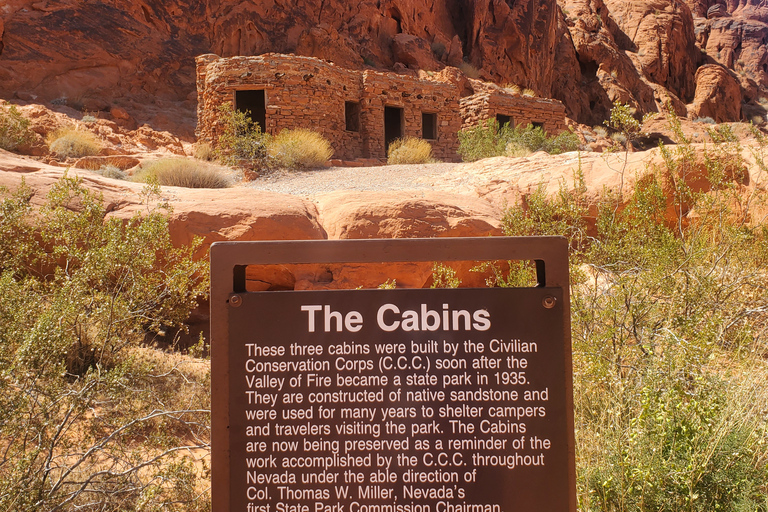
[
  {"x": 468, "y": 201},
  {"x": 135, "y": 60},
  {"x": 114, "y": 138},
  {"x": 718, "y": 94}
]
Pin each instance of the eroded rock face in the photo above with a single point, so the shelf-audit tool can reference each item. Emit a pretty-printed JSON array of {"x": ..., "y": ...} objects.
[
  {"x": 660, "y": 34},
  {"x": 736, "y": 43},
  {"x": 718, "y": 94},
  {"x": 405, "y": 215},
  {"x": 243, "y": 214},
  {"x": 587, "y": 53}
]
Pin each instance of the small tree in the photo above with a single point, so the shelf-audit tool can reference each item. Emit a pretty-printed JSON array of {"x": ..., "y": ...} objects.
[
  {"x": 92, "y": 419},
  {"x": 242, "y": 140},
  {"x": 14, "y": 129},
  {"x": 623, "y": 121}
]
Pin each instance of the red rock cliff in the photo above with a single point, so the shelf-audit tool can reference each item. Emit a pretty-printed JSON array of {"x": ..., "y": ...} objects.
[{"x": 139, "y": 55}]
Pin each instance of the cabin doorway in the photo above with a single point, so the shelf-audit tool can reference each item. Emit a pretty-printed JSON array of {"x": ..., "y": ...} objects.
[
  {"x": 393, "y": 125},
  {"x": 253, "y": 103}
]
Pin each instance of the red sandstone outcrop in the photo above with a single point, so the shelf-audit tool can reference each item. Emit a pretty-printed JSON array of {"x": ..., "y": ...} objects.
[
  {"x": 660, "y": 34},
  {"x": 405, "y": 215},
  {"x": 718, "y": 94},
  {"x": 114, "y": 138},
  {"x": 736, "y": 43},
  {"x": 136, "y": 60},
  {"x": 468, "y": 201}
]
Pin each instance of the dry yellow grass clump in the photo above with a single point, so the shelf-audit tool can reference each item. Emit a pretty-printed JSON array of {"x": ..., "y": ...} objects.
[
  {"x": 300, "y": 148},
  {"x": 409, "y": 150},
  {"x": 71, "y": 142},
  {"x": 184, "y": 172}
]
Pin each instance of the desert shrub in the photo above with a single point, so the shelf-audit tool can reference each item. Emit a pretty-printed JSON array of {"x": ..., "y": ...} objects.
[
  {"x": 512, "y": 89},
  {"x": 563, "y": 142},
  {"x": 600, "y": 131},
  {"x": 242, "y": 141},
  {"x": 184, "y": 172},
  {"x": 86, "y": 422},
  {"x": 669, "y": 322},
  {"x": 204, "y": 151},
  {"x": 485, "y": 140},
  {"x": 530, "y": 139},
  {"x": 299, "y": 148},
  {"x": 444, "y": 276},
  {"x": 488, "y": 140},
  {"x": 438, "y": 49},
  {"x": 89, "y": 118},
  {"x": 529, "y": 93},
  {"x": 409, "y": 150},
  {"x": 469, "y": 70},
  {"x": 14, "y": 129},
  {"x": 619, "y": 138},
  {"x": 705, "y": 120},
  {"x": 624, "y": 123},
  {"x": 70, "y": 142},
  {"x": 112, "y": 171}
]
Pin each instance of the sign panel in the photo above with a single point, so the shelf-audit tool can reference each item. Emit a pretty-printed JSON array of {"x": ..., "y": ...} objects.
[{"x": 450, "y": 400}]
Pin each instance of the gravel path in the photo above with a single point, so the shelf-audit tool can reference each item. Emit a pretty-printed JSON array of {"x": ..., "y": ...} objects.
[{"x": 380, "y": 178}]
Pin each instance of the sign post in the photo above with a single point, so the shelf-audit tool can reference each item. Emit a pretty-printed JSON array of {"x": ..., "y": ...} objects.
[{"x": 409, "y": 400}]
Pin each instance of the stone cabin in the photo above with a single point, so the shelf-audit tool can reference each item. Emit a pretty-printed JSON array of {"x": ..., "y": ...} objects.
[{"x": 359, "y": 112}]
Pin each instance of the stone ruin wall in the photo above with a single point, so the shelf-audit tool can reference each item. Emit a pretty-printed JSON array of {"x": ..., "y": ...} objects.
[
  {"x": 490, "y": 100},
  {"x": 300, "y": 92},
  {"x": 305, "y": 92},
  {"x": 414, "y": 97}
]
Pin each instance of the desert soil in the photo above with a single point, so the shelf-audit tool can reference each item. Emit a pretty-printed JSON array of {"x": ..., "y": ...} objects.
[{"x": 379, "y": 178}]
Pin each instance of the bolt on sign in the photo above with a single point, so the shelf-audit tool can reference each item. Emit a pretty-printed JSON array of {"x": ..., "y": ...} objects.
[{"x": 396, "y": 400}]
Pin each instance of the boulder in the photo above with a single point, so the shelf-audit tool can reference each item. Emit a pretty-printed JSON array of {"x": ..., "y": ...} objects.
[
  {"x": 323, "y": 41},
  {"x": 405, "y": 215},
  {"x": 717, "y": 11},
  {"x": 414, "y": 52},
  {"x": 718, "y": 94}
]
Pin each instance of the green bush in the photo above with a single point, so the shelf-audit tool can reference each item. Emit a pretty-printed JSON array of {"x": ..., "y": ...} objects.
[
  {"x": 184, "y": 172},
  {"x": 488, "y": 139},
  {"x": 71, "y": 142},
  {"x": 14, "y": 129},
  {"x": 563, "y": 142},
  {"x": 86, "y": 422},
  {"x": 669, "y": 322},
  {"x": 409, "y": 150},
  {"x": 485, "y": 140},
  {"x": 299, "y": 149},
  {"x": 242, "y": 141}
]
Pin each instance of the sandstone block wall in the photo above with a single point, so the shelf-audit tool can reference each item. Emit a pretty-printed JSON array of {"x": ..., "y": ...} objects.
[
  {"x": 300, "y": 92},
  {"x": 414, "y": 97},
  {"x": 306, "y": 92},
  {"x": 490, "y": 101}
]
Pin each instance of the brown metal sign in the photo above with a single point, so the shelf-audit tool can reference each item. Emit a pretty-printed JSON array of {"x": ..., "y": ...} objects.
[{"x": 410, "y": 400}]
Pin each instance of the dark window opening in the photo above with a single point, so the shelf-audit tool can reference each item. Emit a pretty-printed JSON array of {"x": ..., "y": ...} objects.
[
  {"x": 393, "y": 125},
  {"x": 352, "y": 116},
  {"x": 503, "y": 120},
  {"x": 428, "y": 126},
  {"x": 538, "y": 125},
  {"x": 254, "y": 104},
  {"x": 765, "y": 68}
]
